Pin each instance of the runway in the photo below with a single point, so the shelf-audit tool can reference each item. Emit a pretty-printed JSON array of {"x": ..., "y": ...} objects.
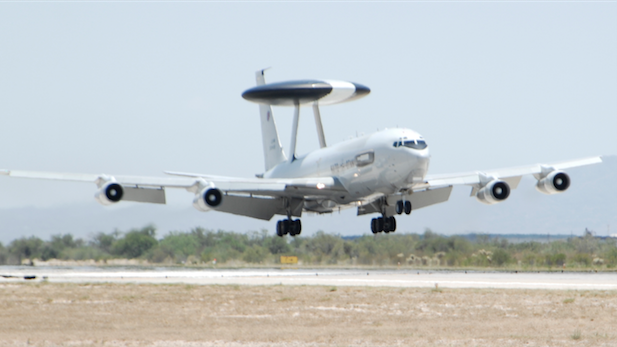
[{"x": 318, "y": 277}]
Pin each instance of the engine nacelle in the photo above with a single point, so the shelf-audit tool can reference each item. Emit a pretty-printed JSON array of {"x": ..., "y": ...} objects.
[
  {"x": 207, "y": 199},
  {"x": 109, "y": 194},
  {"x": 555, "y": 182},
  {"x": 495, "y": 191}
]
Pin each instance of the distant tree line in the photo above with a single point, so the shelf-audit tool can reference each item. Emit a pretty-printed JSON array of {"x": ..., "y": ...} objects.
[{"x": 201, "y": 246}]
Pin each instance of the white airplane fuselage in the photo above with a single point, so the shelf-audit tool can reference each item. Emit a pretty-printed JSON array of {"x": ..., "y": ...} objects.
[{"x": 365, "y": 165}]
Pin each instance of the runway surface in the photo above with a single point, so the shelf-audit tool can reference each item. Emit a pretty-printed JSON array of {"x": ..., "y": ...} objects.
[{"x": 323, "y": 277}]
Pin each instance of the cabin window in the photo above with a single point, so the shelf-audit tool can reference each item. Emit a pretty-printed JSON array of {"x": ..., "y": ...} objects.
[{"x": 365, "y": 158}]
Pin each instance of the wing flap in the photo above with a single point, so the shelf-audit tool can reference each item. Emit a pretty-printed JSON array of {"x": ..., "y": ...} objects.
[
  {"x": 258, "y": 207},
  {"x": 429, "y": 197},
  {"x": 149, "y": 195},
  {"x": 418, "y": 199},
  {"x": 511, "y": 175}
]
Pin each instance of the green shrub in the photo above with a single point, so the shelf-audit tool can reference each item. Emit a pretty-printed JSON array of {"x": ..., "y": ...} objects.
[
  {"x": 26, "y": 248},
  {"x": 135, "y": 243},
  {"x": 610, "y": 256},
  {"x": 103, "y": 241},
  {"x": 4, "y": 255},
  {"x": 255, "y": 254},
  {"x": 321, "y": 248},
  {"x": 582, "y": 259},
  {"x": 179, "y": 245},
  {"x": 501, "y": 257},
  {"x": 555, "y": 259}
]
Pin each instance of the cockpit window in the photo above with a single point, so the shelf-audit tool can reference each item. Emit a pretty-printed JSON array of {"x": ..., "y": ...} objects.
[{"x": 415, "y": 144}]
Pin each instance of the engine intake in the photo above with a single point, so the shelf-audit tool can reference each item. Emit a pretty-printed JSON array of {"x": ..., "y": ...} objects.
[
  {"x": 109, "y": 194},
  {"x": 207, "y": 199},
  {"x": 555, "y": 182},
  {"x": 495, "y": 191}
]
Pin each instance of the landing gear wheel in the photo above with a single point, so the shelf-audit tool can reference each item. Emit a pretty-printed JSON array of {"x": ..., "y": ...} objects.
[
  {"x": 399, "y": 207},
  {"x": 377, "y": 225},
  {"x": 286, "y": 226},
  {"x": 295, "y": 227},
  {"x": 407, "y": 207},
  {"x": 374, "y": 226},
  {"x": 386, "y": 224},
  {"x": 392, "y": 222}
]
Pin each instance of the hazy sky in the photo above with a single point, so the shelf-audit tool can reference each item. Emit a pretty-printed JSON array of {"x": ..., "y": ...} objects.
[{"x": 139, "y": 88}]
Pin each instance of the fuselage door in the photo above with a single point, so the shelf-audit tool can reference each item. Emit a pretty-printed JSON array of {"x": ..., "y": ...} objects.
[{"x": 364, "y": 159}]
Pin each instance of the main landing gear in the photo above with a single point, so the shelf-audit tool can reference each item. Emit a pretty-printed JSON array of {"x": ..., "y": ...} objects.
[
  {"x": 288, "y": 226},
  {"x": 387, "y": 224},
  {"x": 403, "y": 206}
]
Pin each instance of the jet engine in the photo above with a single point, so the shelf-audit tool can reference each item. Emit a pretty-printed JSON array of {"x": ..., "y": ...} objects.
[
  {"x": 495, "y": 191},
  {"x": 207, "y": 199},
  {"x": 555, "y": 182},
  {"x": 109, "y": 194}
]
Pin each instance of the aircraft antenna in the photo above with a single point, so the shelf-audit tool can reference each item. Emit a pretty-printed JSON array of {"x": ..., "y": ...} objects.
[{"x": 303, "y": 92}]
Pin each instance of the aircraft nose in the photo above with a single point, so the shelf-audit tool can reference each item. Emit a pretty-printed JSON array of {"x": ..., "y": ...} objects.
[
  {"x": 423, "y": 160},
  {"x": 419, "y": 161}
]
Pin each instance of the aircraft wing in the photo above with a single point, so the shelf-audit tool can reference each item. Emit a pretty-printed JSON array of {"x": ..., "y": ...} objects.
[
  {"x": 258, "y": 198},
  {"x": 511, "y": 176},
  {"x": 436, "y": 189},
  {"x": 94, "y": 178},
  {"x": 272, "y": 187}
]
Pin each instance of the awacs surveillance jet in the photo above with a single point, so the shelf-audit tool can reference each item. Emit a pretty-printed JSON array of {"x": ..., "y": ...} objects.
[{"x": 383, "y": 173}]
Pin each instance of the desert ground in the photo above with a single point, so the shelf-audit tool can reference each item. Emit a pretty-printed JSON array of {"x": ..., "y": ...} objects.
[{"x": 60, "y": 314}]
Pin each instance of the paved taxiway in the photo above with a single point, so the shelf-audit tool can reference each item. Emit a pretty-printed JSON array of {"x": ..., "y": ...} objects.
[{"x": 323, "y": 277}]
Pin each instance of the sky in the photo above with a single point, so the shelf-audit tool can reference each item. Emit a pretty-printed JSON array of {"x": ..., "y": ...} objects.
[{"x": 138, "y": 88}]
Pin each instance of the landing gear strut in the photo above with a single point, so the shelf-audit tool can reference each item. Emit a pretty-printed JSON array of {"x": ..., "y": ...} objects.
[{"x": 288, "y": 226}]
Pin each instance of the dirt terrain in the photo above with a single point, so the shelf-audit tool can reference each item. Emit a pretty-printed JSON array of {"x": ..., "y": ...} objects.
[{"x": 46, "y": 314}]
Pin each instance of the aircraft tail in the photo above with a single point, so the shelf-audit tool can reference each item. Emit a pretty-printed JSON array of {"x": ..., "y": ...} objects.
[{"x": 273, "y": 151}]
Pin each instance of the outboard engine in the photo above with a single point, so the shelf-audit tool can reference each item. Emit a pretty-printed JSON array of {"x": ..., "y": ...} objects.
[
  {"x": 495, "y": 191},
  {"x": 207, "y": 199},
  {"x": 555, "y": 182},
  {"x": 110, "y": 193}
]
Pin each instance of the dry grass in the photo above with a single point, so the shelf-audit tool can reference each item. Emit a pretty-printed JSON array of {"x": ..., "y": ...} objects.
[{"x": 181, "y": 315}]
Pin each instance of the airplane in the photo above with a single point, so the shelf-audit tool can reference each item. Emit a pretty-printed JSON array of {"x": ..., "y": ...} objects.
[{"x": 385, "y": 173}]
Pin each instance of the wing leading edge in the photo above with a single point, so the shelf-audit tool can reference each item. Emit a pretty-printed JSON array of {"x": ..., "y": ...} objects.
[
  {"x": 256, "y": 198},
  {"x": 514, "y": 174}
]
